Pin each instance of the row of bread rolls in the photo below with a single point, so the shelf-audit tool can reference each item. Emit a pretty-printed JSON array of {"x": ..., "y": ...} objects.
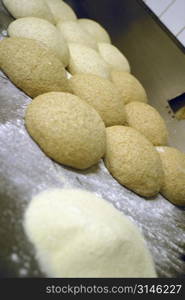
[
  {"x": 79, "y": 37},
  {"x": 71, "y": 128},
  {"x": 70, "y": 131},
  {"x": 50, "y": 10}
]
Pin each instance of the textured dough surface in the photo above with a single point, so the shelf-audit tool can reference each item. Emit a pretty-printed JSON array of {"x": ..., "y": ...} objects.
[
  {"x": 78, "y": 234},
  {"x": 102, "y": 95},
  {"x": 61, "y": 11},
  {"x": 42, "y": 31},
  {"x": 86, "y": 60},
  {"x": 133, "y": 161},
  {"x": 67, "y": 129},
  {"x": 113, "y": 57},
  {"x": 129, "y": 87},
  {"x": 147, "y": 121},
  {"x": 95, "y": 30},
  {"x": 173, "y": 162},
  {"x": 29, "y": 8},
  {"x": 32, "y": 67},
  {"x": 74, "y": 33}
]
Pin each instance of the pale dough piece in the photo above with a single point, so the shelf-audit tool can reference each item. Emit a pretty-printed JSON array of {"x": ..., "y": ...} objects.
[
  {"x": 61, "y": 11},
  {"x": 67, "y": 129},
  {"x": 86, "y": 60},
  {"x": 74, "y": 33},
  {"x": 129, "y": 87},
  {"x": 95, "y": 30},
  {"x": 173, "y": 162},
  {"x": 43, "y": 31},
  {"x": 29, "y": 8},
  {"x": 147, "y": 121},
  {"x": 113, "y": 57},
  {"x": 78, "y": 234},
  {"x": 32, "y": 66},
  {"x": 102, "y": 95},
  {"x": 133, "y": 161}
]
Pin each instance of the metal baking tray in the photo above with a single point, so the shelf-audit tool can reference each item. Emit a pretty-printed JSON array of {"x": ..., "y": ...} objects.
[{"x": 158, "y": 61}]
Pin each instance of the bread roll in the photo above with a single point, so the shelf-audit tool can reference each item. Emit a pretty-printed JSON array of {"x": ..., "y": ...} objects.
[
  {"x": 147, "y": 121},
  {"x": 86, "y": 60},
  {"x": 61, "y": 11},
  {"x": 113, "y": 57},
  {"x": 133, "y": 161},
  {"x": 102, "y": 95},
  {"x": 67, "y": 129},
  {"x": 32, "y": 67},
  {"x": 29, "y": 8},
  {"x": 43, "y": 31},
  {"x": 74, "y": 33},
  {"x": 129, "y": 87},
  {"x": 95, "y": 29},
  {"x": 173, "y": 162}
]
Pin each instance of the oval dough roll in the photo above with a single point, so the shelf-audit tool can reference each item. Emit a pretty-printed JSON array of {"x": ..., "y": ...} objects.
[
  {"x": 86, "y": 60},
  {"x": 113, "y": 57},
  {"x": 32, "y": 67},
  {"x": 67, "y": 129},
  {"x": 133, "y": 161},
  {"x": 148, "y": 121},
  {"x": 102, "y": 95},
  {"x": 61, "y": 11},
  {"x": 95, "y": 29},
  {"x": 173, "y": 162},
  {"x": 42, "y": 31},
  {"x": 29, "y": 8},
  {"x": 74, "y": 33},
  {"x": 129, "y": 87}
]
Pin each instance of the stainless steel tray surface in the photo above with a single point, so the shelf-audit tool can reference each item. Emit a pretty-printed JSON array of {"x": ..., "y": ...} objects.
[{"x": 25, "y": 170}]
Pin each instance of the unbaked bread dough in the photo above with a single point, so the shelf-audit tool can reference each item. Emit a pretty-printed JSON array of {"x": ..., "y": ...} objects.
[
  {"x": 113, "y": 57},
  {"x": 78, "y": 234},
  {"x": 133, "y": 161},
  {"x": 43, "y": 31},
  {"x": 148, "y": 121},
  {"x": 95, "y": 29},
  {"x": 29, "y": 8},
  {"x": 32, "y": 66},
  {"x": 74, "y": 33},
  {"x": 61, "y": 11},
  {"x": 173, "y": 162},
  {"x": 67, "y": 129},
  {"x": 129, "y": 87},
  {"x": 102, "y": 95},
  {"x": 86, "y": 60}
]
